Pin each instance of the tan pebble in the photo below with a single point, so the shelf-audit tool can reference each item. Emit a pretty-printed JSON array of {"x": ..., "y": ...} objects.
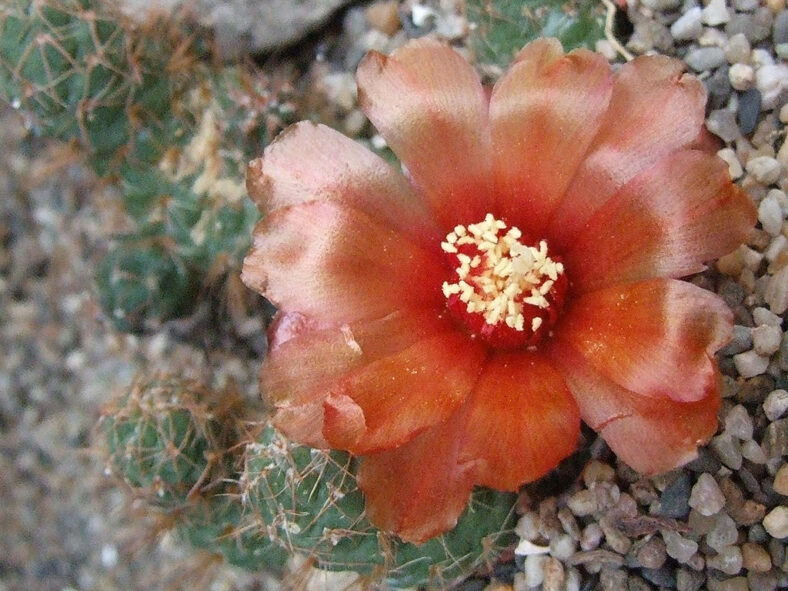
[
  {"x": 731, "y": 264},
  {"x": 781, "y": 480},
  {"x": 384, "y": 17},
  {"x": 755, "y": 558},
  {"x": 776, "y": 5},
  {"x": 776, "y": 522}
]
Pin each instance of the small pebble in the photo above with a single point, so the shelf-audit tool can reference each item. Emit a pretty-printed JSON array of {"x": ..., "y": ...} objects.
[
  {"x": 727, "y": 450},
  {"x": 776, "y": 522},
  {"x": 715, "y": 13},
  {"x": 652, "y": 554},
  {"x": 722, "y": 123},
  {"x": 554, "y": 575},
  {"x": 749, "y": 109},
  {"x": 766, "y": 339},
  {"x": 583, "y": 502},
  {"x": 678, "y": 547},
  {"x": 780, "y": 484},
  {"x": 737, "y": 49},
  {"x": 534, "y": 569},
  {"x": 723, "y": 533},
  {"x": 706, "y": 497},
  {"x": 591, "y": 537},
  {"x": 756, "y": 27},
  {"x": 755, "y": 557},
  {"x": 771, "y": 80},
  {"x": 764, "y": 169},
  {"x": 729, "y": 560},
  {"x": 776, "y": 294},
  {"x": 770, "y": 213},
  {"x": 780, "y": 30},
  {"x": 763, "y": 315},
  {"x": 688, "y": 26},
  {"x": 703, "y": 59},
  {"x": 741, "y": 76},
  {"x": 689, "y": 580},
  {"x": 596, "y": 471},
  {"x": 562, "y": 547},
  {"x": 753, "y": 452},
  {"x": 738, "y": 422},
  {"x": 776, "y": 404},
  {"x": 674, "y": 501},
  {"x": 731, "y": 584},
  {"x": 750, "y": 364},
  {"x": 775, "y": 439},
  {"x": 734, "y": 166}
]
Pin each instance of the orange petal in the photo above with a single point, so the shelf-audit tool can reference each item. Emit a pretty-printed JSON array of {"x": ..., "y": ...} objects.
[
  {"x": 650, "y": 434},
  {"x": 312, "y": 162},
  {"x": 544, "y": 112},
  {"x": 666, "y": 222},
  {"x": 335, "y": 264},
  {"x": 654, "y": 337},
  {"x": 299, "y": 372},
  {"x": 386, "y": 403},
  {"x": 522, "y": 421},
  {"x": 653, "y": 111},
  {"x": 318, "y": 359},
  {"x": 302, "y": 424},
  {"x": 418, "y": 490},
  {"x": 429, "y": 104}
]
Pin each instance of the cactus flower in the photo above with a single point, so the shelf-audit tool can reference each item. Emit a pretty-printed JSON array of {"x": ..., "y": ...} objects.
[{"x": 452, "y": 323}]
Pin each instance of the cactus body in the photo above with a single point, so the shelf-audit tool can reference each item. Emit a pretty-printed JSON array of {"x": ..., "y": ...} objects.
[{"x": 167, "y": 437}]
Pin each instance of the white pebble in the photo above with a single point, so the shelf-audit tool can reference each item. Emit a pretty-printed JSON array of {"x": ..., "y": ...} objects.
[
  {"x": 562, "y": 547},
  {"x": 784, "y": 113},
  {"x": 763, "y": 315},
  {"x": 737, "y": 49},
  {"x": 528, "y": 548},
  {"x": 776, "y": 522},
  {"x": 776, "y": 294},
  {"x": 766, "y": 339},
  {"x": 771, "y": 80},
  {"x": 741, "y": 76},
  {"x": 761, "y": 57},
  {"x": 776, "y": 246},
  {"x": 730, "y": 158},
  {"x": 715, "y": 13},
  {"x": 706, "y": 497},
  {"x": 749, "y": 364},
  {"x": 764, "y": 169},
  {"x": 534, "y": 570},
  {"x": 688, "y": 26},
  {"x": 776, "y": 404},
  {"x": 770, "y": 214}
]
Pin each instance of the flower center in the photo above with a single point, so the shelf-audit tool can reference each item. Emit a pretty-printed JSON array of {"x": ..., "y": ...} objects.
[{"x": 507, "y": 293}]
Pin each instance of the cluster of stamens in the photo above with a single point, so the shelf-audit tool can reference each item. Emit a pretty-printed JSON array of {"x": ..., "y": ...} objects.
[{"x": 501, "y": 280}]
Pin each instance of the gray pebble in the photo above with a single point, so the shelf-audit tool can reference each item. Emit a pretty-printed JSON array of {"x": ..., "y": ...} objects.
[
  {"x": 675, "y": 498},
  {"x": 722, "y": 123},
  {"x": 749, "y": 108},
  {"x": 762, "y": 581},
  {"x": 688, "y": 26},
  {"x": 727, "y": 450},
  {"x": 718, "y": 86},
  {"x": 741, "y": 341},
  {"x": 662, "y": 5},
  {"x": 703, "y": 59},
  {"x": 756, "y": 27},
  {"x": 648, "y": 35},
  {"x": 689, "y": 580},
  {"x": 776, "y": 404},
  {"x": 738, "y": 422},
  {"x": 612, "y": 580},
  {"x": 664, "y": 577},
  {"x": 750, "y": 364},
  {"x": 723, "y": 533},
  {"x": 780, "y": 31},
  {"x": 753, "y": 452}
]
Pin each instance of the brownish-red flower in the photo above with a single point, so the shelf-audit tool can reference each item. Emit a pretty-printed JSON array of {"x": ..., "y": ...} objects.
[{"x": 454, "y": 323}]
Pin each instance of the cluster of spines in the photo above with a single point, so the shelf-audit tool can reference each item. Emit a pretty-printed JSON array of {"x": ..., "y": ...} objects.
[
  {"x": 152, "y": 114},
  {"x": 258, "y": 500}
]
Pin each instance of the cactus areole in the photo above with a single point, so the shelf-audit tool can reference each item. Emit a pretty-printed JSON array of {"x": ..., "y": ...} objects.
[{"x": 451, "y": 325}]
